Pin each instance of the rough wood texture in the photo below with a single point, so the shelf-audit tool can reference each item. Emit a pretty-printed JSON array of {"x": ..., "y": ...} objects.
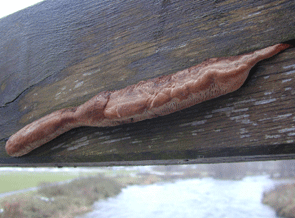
[{"x": 60, "y": 54}]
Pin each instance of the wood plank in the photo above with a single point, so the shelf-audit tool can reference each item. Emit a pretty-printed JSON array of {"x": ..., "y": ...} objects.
[{"x": 59, "y": 54}]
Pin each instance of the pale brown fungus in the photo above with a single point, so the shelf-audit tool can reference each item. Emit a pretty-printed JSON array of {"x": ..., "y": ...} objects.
[{"x": 145, "y": 100}]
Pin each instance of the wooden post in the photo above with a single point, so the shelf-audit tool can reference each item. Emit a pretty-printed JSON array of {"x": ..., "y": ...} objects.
[{"x": 59, "y": 54}]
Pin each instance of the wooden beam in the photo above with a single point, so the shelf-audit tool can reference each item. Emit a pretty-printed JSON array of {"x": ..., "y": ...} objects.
[{"x": 60, "y": 54}]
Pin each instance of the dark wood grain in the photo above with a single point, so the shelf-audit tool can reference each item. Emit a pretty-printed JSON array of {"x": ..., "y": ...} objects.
[{"x": 59, "y": 54}]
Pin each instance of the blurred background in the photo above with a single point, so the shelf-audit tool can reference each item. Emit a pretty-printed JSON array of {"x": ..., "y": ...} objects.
[{"x": 247, "y": 189}]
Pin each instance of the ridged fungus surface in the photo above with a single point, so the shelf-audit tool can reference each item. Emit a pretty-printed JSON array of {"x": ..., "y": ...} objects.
[{"x": 145, "y": 100}]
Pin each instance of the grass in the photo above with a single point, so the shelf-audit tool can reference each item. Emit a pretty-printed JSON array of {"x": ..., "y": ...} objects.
[
  {"x": 282, "y": 199},
  {"x": 13, "y": 181},
  {"x": 60, "y": 200}
]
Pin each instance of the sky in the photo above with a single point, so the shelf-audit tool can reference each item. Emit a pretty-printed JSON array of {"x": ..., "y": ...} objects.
[{"x": 10, "y": 6}]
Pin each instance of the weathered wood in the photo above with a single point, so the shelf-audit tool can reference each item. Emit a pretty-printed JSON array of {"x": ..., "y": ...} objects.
[{"x": 59, "y": 54}]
